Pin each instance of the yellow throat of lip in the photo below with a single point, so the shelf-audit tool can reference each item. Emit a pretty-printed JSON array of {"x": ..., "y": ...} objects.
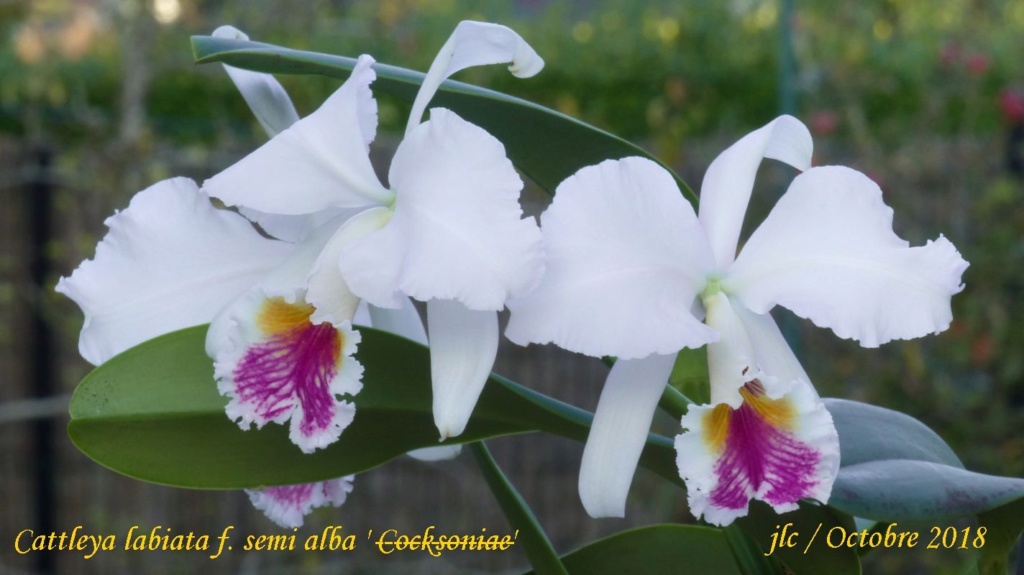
[{"x": 278, "y": 316}]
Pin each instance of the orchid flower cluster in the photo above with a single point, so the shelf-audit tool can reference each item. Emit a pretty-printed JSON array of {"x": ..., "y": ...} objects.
[{"x": 314, "y": 244}]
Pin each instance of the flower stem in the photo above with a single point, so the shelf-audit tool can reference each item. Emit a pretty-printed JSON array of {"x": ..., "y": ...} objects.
[{"x": 674, "y": 402}]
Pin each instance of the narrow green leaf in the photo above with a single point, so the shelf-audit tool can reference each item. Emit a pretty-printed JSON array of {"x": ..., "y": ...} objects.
[
  {"x": 530, "y": 534},
  {"x": 153, "y": 413},
  {"x": 656, "y": 550},
  {"x": 1003, "y": 529},
  {"x": 872, "y": 433},
  {"x": 901, "y": 490},
  {"x": 546, "y": 145}
]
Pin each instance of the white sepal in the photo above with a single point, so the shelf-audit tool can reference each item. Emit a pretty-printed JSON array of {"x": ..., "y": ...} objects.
[{"x": 619, "y": 431}]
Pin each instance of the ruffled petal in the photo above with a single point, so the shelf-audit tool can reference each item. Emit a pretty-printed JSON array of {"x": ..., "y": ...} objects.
[
  {"x": 827, "y": 252},
  {"x": 288, "y": 505},
  {"x": 475, "y": 44},
  {"x": 625, "y": 259},
  {"x": 725, "y": 192},
  {"x": 776, "y": 450},
  {"x": 457, "y": 231},
  {"x": 264, "y": 94},
  {"x": 463, "y": 345},
  {"x": 320, "y": 162},
  {"x": 276, "y": 365},
  {"x": 170, "y": 261},
  {"x": 327, "y": 289},
  {"x": 619, "y": 431}
]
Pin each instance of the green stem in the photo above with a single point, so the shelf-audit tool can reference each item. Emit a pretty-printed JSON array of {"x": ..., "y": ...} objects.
[
  {"x": 674, "y": 402},
  {"x": 530, "y": 534}
]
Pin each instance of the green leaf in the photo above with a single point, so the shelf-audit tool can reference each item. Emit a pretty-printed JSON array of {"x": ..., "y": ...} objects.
[
  {"x": 751, "y": 560},
  {"x": 894, "y": 468},
  {"x": 656, "y": 550},
  {"x": 872, "y": 433},
  {"x": 806, "y": 529},
  {"x": 903, "y": 489},
  {"x": 528, "y": 530},
  {"x": 1003, "y": 528},
  {"x": 690, "y": 375},
  {"x": 546, "y": 145},
  {"x": 153, "y": 413}
]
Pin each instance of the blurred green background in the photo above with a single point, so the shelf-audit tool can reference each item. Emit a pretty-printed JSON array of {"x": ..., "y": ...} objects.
[{"x": 925, "y": 96}]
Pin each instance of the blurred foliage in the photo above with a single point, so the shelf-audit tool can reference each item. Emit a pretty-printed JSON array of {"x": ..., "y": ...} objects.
[{"x": 907, "y": 91}]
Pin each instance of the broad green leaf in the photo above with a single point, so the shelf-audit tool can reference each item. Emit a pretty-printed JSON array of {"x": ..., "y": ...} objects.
[
  {"x": 530, "y": 534},
  {"x": 903, "y": 489},
  {"x": 153, "y": 413},
  {"x": 546, "y": 145},
  {"x": 894, "y": 468},
  {"x": 806, "y": 529},
  {"x": 872, "y": 433},
  {"x": 1003, "y": 527},
  {"x": 656, "y": 550}
]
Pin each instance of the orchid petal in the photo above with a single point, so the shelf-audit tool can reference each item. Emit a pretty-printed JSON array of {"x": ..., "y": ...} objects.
[
  {"x": 827, "y": 252},
  {"x": 463, "y": 345},
  {"x": 276, "y": 365},
  {"x": 457, "y": 231},
  {"x": 319, "y": 162},
  {"x": 170, "y": 261},
  {"x": 264, "y": 94},
  {"x": 362, "y": 316},
  {"x": 475, "y": 44},
  {"x": 729, "y": 180},
  {"x": 404, "y": 321},
  {"x": 289, "y": 281},
  {"x": 296, "y": 228},
  {"x": 771, "y": 351},
  {"x": 439, "y": 453},
  {"x": 731, "y": 359},
  {"x": 625, "y": 261},
  {"x": 288, "y": 505},
  {"x": 619, "y": 430},
  {"x": 328, "y": 291},
  {"x": 776, "y": 450}
]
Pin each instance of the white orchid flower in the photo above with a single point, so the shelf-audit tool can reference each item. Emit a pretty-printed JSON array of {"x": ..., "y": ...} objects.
[
  {"x": 288, "y": 505},
  {"x": 448, "y": 231},
  {"x": 631, "y": 270},
  {"x": 172, "y": 261}
]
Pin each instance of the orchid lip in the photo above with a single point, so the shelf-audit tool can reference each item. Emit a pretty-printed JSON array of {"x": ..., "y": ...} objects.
[{"x": 284, "y": 367}]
